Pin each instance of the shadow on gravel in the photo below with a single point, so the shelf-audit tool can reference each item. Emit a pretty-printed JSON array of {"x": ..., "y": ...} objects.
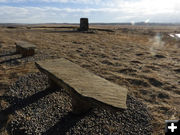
[
  {"x": 70, "y": 31},
  {"x": 59, "y": 31},
  {"x": 18, "y": 103},
  {"x": 14, "y": 61},
  {"x": 64, "y": 124},
  {"x": 9, "y": 54}
]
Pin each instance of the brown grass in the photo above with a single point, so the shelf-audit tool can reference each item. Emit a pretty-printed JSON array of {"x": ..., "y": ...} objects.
[{"x": 128, "y": 57}]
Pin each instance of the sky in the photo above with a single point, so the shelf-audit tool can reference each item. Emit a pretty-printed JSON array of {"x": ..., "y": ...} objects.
[{"x": 107, "y": 11}]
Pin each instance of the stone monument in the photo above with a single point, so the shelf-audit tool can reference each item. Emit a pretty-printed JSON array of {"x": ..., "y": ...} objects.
[{"x": 84, "y": 25}]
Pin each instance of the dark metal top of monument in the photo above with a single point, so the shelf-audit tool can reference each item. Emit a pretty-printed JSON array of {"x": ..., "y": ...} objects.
[{"x": 84, "y": 18}]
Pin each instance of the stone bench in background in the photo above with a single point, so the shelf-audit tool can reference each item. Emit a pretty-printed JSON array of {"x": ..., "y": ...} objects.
[
  {"x": 25, "y": 48},
  {"x": 84, "y": 87}
]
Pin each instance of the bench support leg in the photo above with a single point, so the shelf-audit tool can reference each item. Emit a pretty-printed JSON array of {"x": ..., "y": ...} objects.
[
  {"x": 52, "y": 84},
  {"x": 80, "y": 105}
]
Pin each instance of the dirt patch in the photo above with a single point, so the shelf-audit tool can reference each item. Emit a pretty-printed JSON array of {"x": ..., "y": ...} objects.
[
  {"x": 138, "y": 82},
  {"x": 163, "y": 96},
  {"x": 177, "y": 70},
  {"x": 155, "y": 82},
  {"x": 126, "y": 71},
  {"x": 159, "y": 56}
]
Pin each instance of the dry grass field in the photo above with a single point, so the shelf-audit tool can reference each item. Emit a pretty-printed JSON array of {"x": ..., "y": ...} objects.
[{"x": 143, "y": 59}]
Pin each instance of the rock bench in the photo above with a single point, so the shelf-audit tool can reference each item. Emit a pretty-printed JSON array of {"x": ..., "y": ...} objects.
[
  {"x": 85, "y": 88},
  {"x": 25, "y": 48}
]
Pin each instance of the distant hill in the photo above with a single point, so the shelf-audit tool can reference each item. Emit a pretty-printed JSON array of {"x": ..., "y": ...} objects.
[
  {"x": 140, "y": 23},
  {"x": 128, "y": 23}
]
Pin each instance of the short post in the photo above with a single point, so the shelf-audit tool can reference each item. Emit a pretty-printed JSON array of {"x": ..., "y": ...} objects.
[{"x": 84, "y": 25}]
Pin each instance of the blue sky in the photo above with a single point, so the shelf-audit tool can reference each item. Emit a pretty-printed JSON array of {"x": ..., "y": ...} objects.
[{"x": 69, "y": 11}]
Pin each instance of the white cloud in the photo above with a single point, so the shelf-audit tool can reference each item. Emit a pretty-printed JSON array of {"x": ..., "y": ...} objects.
[
  {"x": 105, "y": 11},
  {"x": 56, "y": 1},
  {"x": 147, "y": 20},
  {"x": 74, "y": 1},
  {"x": 3, "y": 0},
  {"x": 30, "y": 14},
  {"x": 148, "y": 6}
]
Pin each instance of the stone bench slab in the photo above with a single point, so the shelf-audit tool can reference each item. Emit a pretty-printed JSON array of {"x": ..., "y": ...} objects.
[
  {"x": 25, "y": 48},
  {"x": 81, "y": 81}
]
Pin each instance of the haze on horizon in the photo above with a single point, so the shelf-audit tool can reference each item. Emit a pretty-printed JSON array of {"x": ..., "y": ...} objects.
[{"x": 107, "y": 11}]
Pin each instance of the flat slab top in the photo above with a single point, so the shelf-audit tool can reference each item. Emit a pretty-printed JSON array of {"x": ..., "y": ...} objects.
[
  {"x": 25, "y": 45},
  {"x": 84, "y": 82}
]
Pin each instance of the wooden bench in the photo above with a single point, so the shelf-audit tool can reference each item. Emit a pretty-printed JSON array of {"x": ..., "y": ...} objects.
[
  {"x": 25, "y": 48},
  {"x": 85, "y": 88}
]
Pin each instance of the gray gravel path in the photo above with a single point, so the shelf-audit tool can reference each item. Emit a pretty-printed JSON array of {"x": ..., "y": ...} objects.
[{"x": 38, "y": 109}]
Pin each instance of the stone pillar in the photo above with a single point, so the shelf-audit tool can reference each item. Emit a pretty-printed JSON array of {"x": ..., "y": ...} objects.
[{"x": 84, "y": 25}]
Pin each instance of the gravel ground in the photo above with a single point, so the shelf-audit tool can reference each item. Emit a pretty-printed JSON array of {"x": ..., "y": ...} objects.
[{"x": 38, "y": 109}]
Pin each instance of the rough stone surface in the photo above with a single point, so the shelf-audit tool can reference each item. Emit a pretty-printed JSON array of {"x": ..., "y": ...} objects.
[
  {"x": 38, "y": 110},
  {"x": 78, "y": 80}
]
